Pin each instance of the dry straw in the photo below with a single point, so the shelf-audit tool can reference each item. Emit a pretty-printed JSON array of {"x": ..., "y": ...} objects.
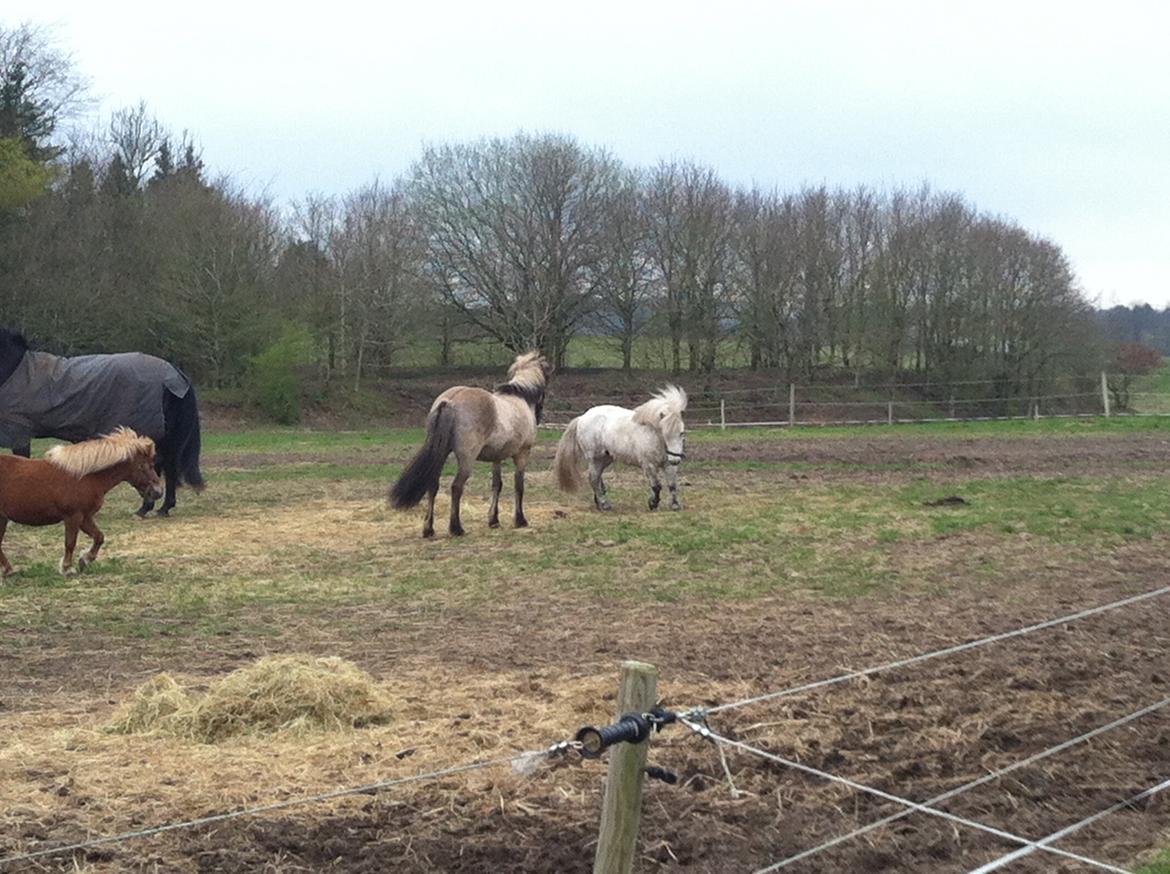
[{"x": 291, "y": 693}]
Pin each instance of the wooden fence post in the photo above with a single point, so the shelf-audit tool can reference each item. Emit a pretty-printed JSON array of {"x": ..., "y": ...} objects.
[
  {"x": 622, "y": 807},
  {"x": 1105, "y": 394},
  {"x": 791, "y": 403},
  {"x": 890, "y": 413},
  {"x": 722, "y": 415}
]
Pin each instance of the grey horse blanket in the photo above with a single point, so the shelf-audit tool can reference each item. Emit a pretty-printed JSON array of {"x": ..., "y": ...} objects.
[{"x": 79, "y": 398}]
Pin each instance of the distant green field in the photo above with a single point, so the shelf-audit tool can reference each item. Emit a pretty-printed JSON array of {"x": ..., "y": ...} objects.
[{"x": 1153, "y": 391}]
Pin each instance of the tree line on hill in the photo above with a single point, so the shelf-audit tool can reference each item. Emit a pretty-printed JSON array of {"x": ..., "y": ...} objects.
[
  {"x": 124, "y": 239},
  {"x": 1140, "y": 323}
]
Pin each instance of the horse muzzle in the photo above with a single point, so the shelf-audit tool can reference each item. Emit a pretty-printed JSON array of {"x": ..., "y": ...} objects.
[{"x": 675, "y": 458}]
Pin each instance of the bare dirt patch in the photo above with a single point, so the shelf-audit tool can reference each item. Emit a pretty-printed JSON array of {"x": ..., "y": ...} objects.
[
  {"x": 973, "y": 456},
  {"x": 510, "y": 679}
]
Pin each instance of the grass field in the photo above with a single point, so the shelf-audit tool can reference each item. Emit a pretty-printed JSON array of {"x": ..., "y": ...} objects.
[{"x": 797, "y": 552}]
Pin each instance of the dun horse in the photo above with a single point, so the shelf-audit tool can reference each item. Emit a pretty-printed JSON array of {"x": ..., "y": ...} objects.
[
  {"x": 651, "y": 437},
  {"x": 70, "y": 484},
  {"x": 482, "y": 425}
]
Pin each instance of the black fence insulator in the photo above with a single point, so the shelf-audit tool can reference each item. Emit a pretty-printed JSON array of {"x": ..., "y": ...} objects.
[
  {"x": 631, "y": 728},
  {"x": 656, "y": 773},
  {"x": 659, "y": 718}
]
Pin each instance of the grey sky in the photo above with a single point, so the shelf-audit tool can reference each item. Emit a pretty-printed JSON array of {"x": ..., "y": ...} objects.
[{"x": 1055, "y": 114}]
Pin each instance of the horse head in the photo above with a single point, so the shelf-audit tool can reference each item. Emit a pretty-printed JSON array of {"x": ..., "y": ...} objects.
[
  {"x": 8, "y": 337},
  {"x": 143, "y": 474},
  {"x": 530, "y": 368},
  {"x": 528, "y": 380},
  {"x": 663, "y": 412},
  {"x": 12, "y": 349}
]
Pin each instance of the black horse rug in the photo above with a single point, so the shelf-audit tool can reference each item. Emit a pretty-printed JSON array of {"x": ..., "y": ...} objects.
[{"x": 75, "y": 398}]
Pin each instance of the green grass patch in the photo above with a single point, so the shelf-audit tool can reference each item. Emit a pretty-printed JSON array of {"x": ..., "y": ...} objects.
[
  {"x": 1159, "y": 865},
  {"x": 295, "y": 526}
]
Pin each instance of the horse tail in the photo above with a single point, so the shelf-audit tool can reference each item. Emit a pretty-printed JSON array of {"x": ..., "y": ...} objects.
[
  {"x": 186, "y": 441},
  {"x": 569, "y": 459},
  {"x": 422, "y": 473}
]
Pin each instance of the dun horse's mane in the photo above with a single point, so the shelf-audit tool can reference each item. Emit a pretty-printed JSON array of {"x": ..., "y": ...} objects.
[
  {"x": 527, "y": 380},
  {"x": 529, "y": 370},
  {"x": 100, "y": 453},
  {"x": 670, "y": 399}
]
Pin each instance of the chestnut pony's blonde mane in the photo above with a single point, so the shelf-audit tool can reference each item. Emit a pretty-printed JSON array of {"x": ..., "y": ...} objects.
[
  {"x": 669, "y": 399},
  {"x": 100, "y": 453}
]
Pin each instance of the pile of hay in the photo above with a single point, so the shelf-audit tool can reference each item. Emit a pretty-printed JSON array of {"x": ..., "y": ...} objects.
[{"x": 295, "y": 693}]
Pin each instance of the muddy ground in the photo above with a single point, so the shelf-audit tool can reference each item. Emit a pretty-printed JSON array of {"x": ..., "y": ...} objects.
[{"x": 503, "y": 677}]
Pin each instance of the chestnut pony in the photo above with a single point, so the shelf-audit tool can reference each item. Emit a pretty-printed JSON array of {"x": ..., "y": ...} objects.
[
  {"x": 70, "y": 484},
  {"x": 482, "y": 425}
]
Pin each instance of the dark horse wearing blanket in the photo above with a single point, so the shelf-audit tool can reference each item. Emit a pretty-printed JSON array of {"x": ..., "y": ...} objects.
[
  {"x": 482, "y": 425},
  {"x": 75, "y": 399}
]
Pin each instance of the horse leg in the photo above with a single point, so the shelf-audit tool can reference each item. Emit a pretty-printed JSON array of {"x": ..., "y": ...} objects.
[
  {"x": 5, "y": 564},
  {"x": 72, "y": 526},
  {"x": 497, "y": 487},
  {"x": 521, "y": 462},
  {"x": 429, "y": 522},
  {"x": 89, "y": 526},
  {"x": 168, "y": 466},
  {"x": 24, "y": 450},
  {"x": 461, "y": 478},
  {"x": 655, "y": 485},
  {"x": 672, "y": 484},
  {"x": 597, "y": 467}
]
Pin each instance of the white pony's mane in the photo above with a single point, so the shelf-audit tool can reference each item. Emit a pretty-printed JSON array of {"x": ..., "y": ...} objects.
[
  {"x": 669, "y": 399},
  {"x": 100, "y": 453}
]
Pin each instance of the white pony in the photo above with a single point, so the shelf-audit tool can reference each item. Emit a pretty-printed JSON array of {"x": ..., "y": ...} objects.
[{"x": 651, "y": 437}]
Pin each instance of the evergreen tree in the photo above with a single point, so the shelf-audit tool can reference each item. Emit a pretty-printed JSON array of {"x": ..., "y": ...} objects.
[
  {"x": 164, "y": 163},
  {"x": 191, "y": 167},
  {"x": 117, "y": 182},
  {"x": 23, "y": 117}
]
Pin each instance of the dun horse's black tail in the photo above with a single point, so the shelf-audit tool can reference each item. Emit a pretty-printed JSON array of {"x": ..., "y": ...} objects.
[
  {"x": 422, "y": 473},
  {"x": 186, "y": 443}
]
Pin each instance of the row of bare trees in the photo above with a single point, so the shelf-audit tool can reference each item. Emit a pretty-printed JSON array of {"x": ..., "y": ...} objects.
[{"x": 529, "y": 241}]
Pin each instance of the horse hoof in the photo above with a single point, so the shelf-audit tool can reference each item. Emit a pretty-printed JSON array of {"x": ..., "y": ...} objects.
[
  {"x": 457, "y": 532},
  {"x": 521, "y": 523},
  {"x": 494, "y": 523},
  {"x": 428, "y": 534},
  {"x": 676, "y": 506},
  {"x": 66, "y": 571},
  {"x": 163, "y": 514},
  {"x": 83, "y": 563}
]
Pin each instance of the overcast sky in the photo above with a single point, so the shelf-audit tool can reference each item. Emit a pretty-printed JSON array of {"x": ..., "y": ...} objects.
[{"x": 1054, "y": 114}]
